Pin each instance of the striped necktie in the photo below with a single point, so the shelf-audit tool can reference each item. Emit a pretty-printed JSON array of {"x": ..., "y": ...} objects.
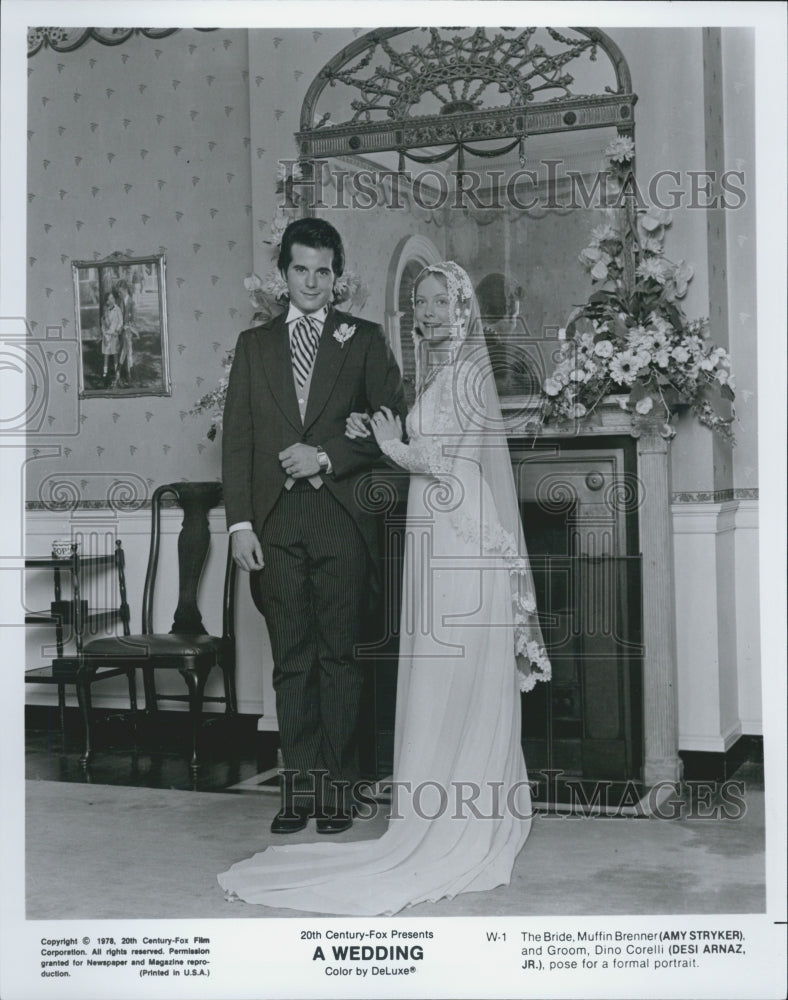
[{"x": 304, "y": 340}]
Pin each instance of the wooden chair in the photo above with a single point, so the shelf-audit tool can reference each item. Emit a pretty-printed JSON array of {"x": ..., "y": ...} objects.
[
  {"x": 75, "y": 615},
  {"x": 187, "y": 647}
]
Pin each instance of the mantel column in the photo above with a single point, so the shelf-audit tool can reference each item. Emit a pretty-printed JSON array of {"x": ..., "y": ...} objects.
[{"x": 660, "y": 675}]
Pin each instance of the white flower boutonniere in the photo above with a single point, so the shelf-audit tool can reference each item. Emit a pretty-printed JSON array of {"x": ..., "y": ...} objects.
[{"x": 343, "y": 333}]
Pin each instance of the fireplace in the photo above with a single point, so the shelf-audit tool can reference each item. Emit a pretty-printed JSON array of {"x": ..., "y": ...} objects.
[
  {"x": 596, "y": 511},
  {"x": 579, "y": 503}
]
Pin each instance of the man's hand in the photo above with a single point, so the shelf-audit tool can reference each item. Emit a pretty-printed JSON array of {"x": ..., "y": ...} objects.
[
  {"x": 246, "y": 549},
  {"x": 300, "y": 461}
]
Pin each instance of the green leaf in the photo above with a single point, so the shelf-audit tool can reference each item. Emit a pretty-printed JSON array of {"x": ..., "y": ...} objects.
[
  {"x": 726, "y": 392},
  {"x": 639, "y": 391}
]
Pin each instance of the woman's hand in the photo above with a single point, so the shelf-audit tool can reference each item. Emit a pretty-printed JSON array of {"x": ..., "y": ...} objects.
[
  {"x": 386, "y": 426},
  {"x": 357, "y": 426}
]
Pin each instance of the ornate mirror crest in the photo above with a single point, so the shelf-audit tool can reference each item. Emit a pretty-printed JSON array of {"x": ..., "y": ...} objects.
[
  {"x": 446, "y": 86},
  {"x": 69, "y": 39}
]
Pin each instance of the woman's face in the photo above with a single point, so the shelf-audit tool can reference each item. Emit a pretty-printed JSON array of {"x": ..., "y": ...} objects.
[{"x": 432, "y": 309}]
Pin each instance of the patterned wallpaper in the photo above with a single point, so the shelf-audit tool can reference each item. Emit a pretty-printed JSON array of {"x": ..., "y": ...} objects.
[
  {"x": 141, "y": 148},
  {"x": 172, "y": 146},
  {"x": 161, "y": 146}
]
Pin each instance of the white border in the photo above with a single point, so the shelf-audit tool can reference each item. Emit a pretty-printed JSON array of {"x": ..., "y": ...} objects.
[{"x": 759, "y": 975}]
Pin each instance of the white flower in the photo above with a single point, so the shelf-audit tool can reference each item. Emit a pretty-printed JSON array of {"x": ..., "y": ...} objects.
[
  {"x": 600, "y": 234},
  {"x": 278, "y": 226},
  {"x": 660, "y": 323},
  {"x": 682, "y": 277},
  {"x": 551, "y": 387},
  {"x": 343, "y": 332},
  {"x": 644, "y": 405},
  {"x": 586, "y": 341},
  {"x": 590, "y": 256},
  {"x": 253, "y": 282},
  {"x": 624, "y": 368},
  {"x": 680, "y": 354},
  {"x": 620, "y": 150},
  {"x": 603, "y": 349},
  {"x": 662, "y": 358},
  {"x": 640, "y": 339},
  {"x": 650, "y": 244},
  {"x": 660, "y": 340},
  {"x": 274, "y": 284},
  {"x": 578, "y": 410},
  {"x": 655, "y": 268}
]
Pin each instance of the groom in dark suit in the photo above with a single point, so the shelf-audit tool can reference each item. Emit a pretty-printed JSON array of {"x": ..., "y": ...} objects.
[{"x": 296, "y": 520}]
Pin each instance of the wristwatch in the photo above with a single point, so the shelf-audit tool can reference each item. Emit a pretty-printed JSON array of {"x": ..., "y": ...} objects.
[{"x": 322, "y": 459}]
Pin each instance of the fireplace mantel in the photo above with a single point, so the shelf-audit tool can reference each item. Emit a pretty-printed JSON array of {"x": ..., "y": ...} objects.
[{"x": 660, "y": 669}]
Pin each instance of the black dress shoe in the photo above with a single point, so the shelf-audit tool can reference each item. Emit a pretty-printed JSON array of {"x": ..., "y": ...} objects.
[
  {"x": 337, "y": 823},
  {"x": 290, "y": 820}
]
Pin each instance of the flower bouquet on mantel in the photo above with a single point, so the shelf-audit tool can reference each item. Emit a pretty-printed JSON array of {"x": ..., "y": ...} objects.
[
  {"x": 268, "y": 295},
  {"x": 631, "y": 338}
]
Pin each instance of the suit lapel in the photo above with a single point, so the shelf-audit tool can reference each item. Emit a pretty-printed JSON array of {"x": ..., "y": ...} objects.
[
  {"x": 278, "y": 370},
  {"x": 331, "y": 356}
]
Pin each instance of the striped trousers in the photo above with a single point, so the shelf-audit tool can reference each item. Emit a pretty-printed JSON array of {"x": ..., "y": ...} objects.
[{"x": 313, "y": 591}]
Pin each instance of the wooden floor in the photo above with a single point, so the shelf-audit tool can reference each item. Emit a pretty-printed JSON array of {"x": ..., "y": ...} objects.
[{"x": 138, "y": 803}]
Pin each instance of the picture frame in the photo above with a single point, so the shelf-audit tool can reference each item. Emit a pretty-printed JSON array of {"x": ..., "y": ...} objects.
[{"x": 121, "y": 316}]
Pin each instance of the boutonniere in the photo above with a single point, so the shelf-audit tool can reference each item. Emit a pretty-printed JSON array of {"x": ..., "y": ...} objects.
[{"x": 343, "y": 333}]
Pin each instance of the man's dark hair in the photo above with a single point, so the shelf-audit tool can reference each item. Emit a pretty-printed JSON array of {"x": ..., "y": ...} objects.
[{"x": 316, "y": 234}]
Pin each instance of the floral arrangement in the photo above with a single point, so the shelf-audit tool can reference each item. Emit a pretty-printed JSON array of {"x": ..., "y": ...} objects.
[
  {"x": 268, "y": 295},
  {"x": 631, "y": 338}
]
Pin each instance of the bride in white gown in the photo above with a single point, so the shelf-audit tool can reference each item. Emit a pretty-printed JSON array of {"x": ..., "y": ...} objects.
[{"x": 469, "y": 643}]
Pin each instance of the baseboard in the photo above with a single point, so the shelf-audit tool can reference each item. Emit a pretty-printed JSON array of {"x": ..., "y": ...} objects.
[
  {"x": 706, "y": 765},
  {"x": 47, "y": 717}
]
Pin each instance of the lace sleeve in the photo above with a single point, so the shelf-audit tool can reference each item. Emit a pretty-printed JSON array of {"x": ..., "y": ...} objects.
[
  {"x": 431, "y": 429},
  {"x": 422, "y": 455}
]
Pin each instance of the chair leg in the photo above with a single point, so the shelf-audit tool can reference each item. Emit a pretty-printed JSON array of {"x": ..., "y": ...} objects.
[
  {"x": 149, "y": 688},
  {"x": 85, "y": 705},
  {"x": 230, "y": 696},
  {"x": 131, "y": 677},
  {"x": 195, "y": 681},
  {"x": 61, "y": 704}
]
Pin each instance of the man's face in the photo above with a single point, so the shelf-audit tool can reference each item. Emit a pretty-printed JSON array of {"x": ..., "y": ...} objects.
[{"x": 310, "y": 277}]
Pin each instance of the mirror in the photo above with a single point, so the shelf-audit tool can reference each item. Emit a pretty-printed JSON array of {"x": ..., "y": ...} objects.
[{"x": 411, "y": 153}]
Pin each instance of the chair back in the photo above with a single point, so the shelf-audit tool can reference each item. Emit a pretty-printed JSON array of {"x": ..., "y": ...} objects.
[{"x": 196, "y": 500}]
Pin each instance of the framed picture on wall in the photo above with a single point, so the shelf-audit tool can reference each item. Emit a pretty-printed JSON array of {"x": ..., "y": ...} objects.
[{"x": 121, "y": 310}]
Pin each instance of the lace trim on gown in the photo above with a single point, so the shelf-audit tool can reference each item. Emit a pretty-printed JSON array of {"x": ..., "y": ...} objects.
[{"x": 429, "y": 454}]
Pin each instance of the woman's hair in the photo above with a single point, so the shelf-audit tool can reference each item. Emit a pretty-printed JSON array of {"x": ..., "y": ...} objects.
[
  {"x": 423, "y": 275},
  {"x": 317, "y": 234}
]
